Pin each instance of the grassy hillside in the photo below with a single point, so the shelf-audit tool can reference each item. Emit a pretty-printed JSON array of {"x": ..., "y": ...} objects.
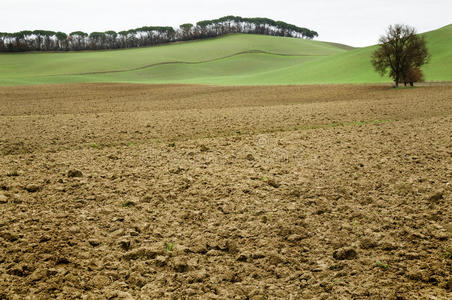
[
  {"x": 439, "y": 43},
  {"x": 235, "y": 59},
  {"x": 54, "y": 67},
  {"x": 355, "y": 67}
]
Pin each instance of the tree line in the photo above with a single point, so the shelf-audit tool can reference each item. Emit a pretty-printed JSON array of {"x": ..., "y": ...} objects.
[{"x": 45, "y": 40}]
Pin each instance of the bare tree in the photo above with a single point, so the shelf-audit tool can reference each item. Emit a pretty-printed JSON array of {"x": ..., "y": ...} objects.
[{"x": 400, "y": 52}]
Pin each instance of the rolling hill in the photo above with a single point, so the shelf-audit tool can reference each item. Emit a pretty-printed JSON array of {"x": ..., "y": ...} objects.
[{"x": 238, "y": 59}]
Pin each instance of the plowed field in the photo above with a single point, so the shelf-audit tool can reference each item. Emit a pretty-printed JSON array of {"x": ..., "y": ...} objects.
[{"x": 115, "y": 191}]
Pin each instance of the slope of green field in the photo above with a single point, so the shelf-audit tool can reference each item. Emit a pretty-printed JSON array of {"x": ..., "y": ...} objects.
[
  {"x": 54, "y": 67},
  {"x": 230, "y": 60},
  {"x": 355, "y": 67},
  {"x": 439, "y": 42}
]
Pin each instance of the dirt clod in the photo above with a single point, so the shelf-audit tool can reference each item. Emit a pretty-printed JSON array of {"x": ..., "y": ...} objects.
[
  {"x": 243, "y": 257},
  {"x": 10, "y": 237},
  {"x": 3, "y": 198},
  {"x": 100, "y": 281},
  {"x": 368, "y": 243},
  {"x": 142, "y": 253},
  {"x": 129, "y": 203},
  {"x": 161, "y": 261},
  {"x": 32, "y": 188},
  {"x": 38, "y": 274},
  {"x": 94, "y": 242},
  {"x": 345, "y": 254},
  {"x": 275, "y": 259},
  {"x": 180, "y": 265},
  {"x": 124, "y": 244},
  {"x": 62, "y": 261},
  {"x": 13, "y": 173},
  {"x": 295, "y": 237},
  {"x": 436, "y": 196},
  {"x": 273, "y": 183},
  {"x": 74, "y": 173},
  {"x": 119, "y": 295}
]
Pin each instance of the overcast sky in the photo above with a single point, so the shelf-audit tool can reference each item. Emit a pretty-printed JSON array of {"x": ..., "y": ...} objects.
[{"x": 352, "y": 22}]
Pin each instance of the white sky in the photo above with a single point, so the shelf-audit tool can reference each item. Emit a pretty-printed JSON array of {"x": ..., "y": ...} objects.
[{"x": 352, "y": 22}]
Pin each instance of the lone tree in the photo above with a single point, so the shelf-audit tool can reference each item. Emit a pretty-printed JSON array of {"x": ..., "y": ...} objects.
[{"x": 400, "y": 54}]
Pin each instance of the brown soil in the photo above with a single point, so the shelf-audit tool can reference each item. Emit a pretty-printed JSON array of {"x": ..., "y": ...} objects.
[{"x": 314, "y": 192}]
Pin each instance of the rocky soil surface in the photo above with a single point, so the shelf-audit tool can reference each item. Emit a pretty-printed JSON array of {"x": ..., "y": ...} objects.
[{"x": 111, "y": 191}]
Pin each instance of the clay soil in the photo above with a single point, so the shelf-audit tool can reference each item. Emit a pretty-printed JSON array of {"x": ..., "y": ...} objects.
[{"x": 114, "y": 191}]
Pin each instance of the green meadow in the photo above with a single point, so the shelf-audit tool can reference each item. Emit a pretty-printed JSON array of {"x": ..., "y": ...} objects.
[{"x": 238, "y": 59}]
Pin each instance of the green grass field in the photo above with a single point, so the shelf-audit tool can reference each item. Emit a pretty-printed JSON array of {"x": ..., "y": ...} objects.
[{"x": 238, "y": 59}]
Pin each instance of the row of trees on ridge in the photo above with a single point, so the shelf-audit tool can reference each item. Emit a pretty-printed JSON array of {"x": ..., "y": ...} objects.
[{"x": 44, "y": 40}]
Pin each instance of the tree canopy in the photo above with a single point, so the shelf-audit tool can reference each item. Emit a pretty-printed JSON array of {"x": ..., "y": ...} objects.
[
  {"x": 400, "y": 54},
  {"x": 46, "y": 40}
]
